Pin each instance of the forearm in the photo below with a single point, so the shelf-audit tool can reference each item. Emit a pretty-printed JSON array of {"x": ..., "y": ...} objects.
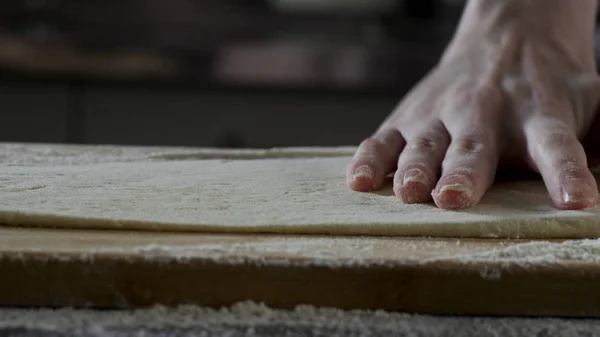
[{"x": 569, "y": 23}]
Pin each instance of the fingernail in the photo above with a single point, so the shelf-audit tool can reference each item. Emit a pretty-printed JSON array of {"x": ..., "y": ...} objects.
[
  {"x": 363, "y": 172},
  {"x": 460, "y": 184},
  {"x": 415, "y": 176},
  {"x": 456, "y": 188},
  {"x": 578, "y": 192}
]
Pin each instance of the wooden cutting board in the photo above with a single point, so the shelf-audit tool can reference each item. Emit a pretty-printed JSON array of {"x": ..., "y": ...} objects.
[{"x": 44, "y": 267}]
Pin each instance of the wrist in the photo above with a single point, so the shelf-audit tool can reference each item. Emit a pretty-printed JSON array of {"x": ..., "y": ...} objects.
[{"x": 569, "y": 25}]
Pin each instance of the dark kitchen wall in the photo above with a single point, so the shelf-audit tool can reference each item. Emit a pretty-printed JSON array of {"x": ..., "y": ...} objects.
[{"x": 215, "y": 73}]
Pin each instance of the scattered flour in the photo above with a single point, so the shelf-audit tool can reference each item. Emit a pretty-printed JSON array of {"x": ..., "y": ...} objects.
[
  {"x": 251, "y": 319},
  {"x": 529, "y": 254},
  {"x": 339, "y": 252},
  {"x": 538, "y": 252},
  {"x": 68, "y": 155},
  {"x": 522, "y": 254}
]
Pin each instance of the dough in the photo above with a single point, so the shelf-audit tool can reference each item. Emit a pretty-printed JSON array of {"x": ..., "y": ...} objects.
[{"x": 259, "y": 192}]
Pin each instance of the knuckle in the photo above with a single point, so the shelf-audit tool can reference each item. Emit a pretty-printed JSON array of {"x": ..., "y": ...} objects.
[
  {"x": 548, "y": 98},
  {"x": 463, "y": 97},
  {"x": 486, "y": 104},
  {"x": 516, "y": 86},
  {"x": 470, "y": 146},
  {"x": 372, "y": 146},
  {"x": 487, "y": 93},
  {"x": 557, "y": 138},
  {"x": 372, "y": 143},
  {"x": 415, "y": 165},
  {"x": 390, "y": 137},
  {"x": 421, "y": 144},
  {"x": 479, "y": 94},
  {"x": 557, "y": 146}
]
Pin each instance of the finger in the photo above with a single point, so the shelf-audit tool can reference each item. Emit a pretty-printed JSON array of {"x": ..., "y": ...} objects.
[
  {"x": 467, "y": 171},
  {"x": 374, "y": 159},
  {"x": 470, "y": 163},
  {"x": 559, "y": 157},
  {"x": 420, "y": 164}
]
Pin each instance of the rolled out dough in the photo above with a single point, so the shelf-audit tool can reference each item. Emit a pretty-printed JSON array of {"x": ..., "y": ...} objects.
[{"x": 300, "y": 191}]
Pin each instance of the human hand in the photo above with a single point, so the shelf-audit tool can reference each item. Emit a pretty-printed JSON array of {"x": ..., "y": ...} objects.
[{"x": 510, "y": 93}]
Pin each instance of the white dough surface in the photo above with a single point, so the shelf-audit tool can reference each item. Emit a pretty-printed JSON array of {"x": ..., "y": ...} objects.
[{"x": 299, "y": 191}]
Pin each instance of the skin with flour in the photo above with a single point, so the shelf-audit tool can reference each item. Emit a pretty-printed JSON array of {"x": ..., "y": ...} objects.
[{"x": 517, "y": 85}]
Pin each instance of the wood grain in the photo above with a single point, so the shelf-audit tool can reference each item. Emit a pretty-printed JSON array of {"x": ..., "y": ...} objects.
[{"x": 119, "y": 269}]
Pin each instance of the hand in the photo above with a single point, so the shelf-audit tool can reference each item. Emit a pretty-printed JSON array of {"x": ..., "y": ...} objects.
[{"x": 507, "y": 91}]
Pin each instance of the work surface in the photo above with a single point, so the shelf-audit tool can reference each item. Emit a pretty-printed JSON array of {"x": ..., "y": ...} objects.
[
  {"x": 252, "y": 320},
  {"x": 131, "y": 269},
  {"x": 125, "y": 269}
]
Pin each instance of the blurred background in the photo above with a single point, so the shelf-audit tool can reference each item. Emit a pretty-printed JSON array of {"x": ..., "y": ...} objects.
[{"x": 214, "y": 73}]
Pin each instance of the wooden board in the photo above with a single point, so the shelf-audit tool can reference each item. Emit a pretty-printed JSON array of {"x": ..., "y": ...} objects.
[{"x": 133, "y": 269}]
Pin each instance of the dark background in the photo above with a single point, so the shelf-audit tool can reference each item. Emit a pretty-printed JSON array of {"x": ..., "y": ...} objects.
[{"x": 216, "y": 73}]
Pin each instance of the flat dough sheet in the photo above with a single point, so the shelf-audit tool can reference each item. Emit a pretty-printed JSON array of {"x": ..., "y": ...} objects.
[{"x": 300, "y": 191}]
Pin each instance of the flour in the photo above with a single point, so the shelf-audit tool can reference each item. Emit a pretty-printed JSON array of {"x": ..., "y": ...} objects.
[
  {"x": 252, "y": 319},
  {"x": 333, "y": 252},
  {"x": 254, "y": 256},
  {"x": 69, "y": 155},
  {"x": 492, "y": 263},
  {"x": 538, "y": 253}
]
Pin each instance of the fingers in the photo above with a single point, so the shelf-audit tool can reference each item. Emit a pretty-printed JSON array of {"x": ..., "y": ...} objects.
[
  {"x": 374, "y": 159},
  {"x": 467, "y": 171},
  {"x": 470, "y": 163},
  {"x": 419, "y": 165},
  {"x": 559, "y": 157}
]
